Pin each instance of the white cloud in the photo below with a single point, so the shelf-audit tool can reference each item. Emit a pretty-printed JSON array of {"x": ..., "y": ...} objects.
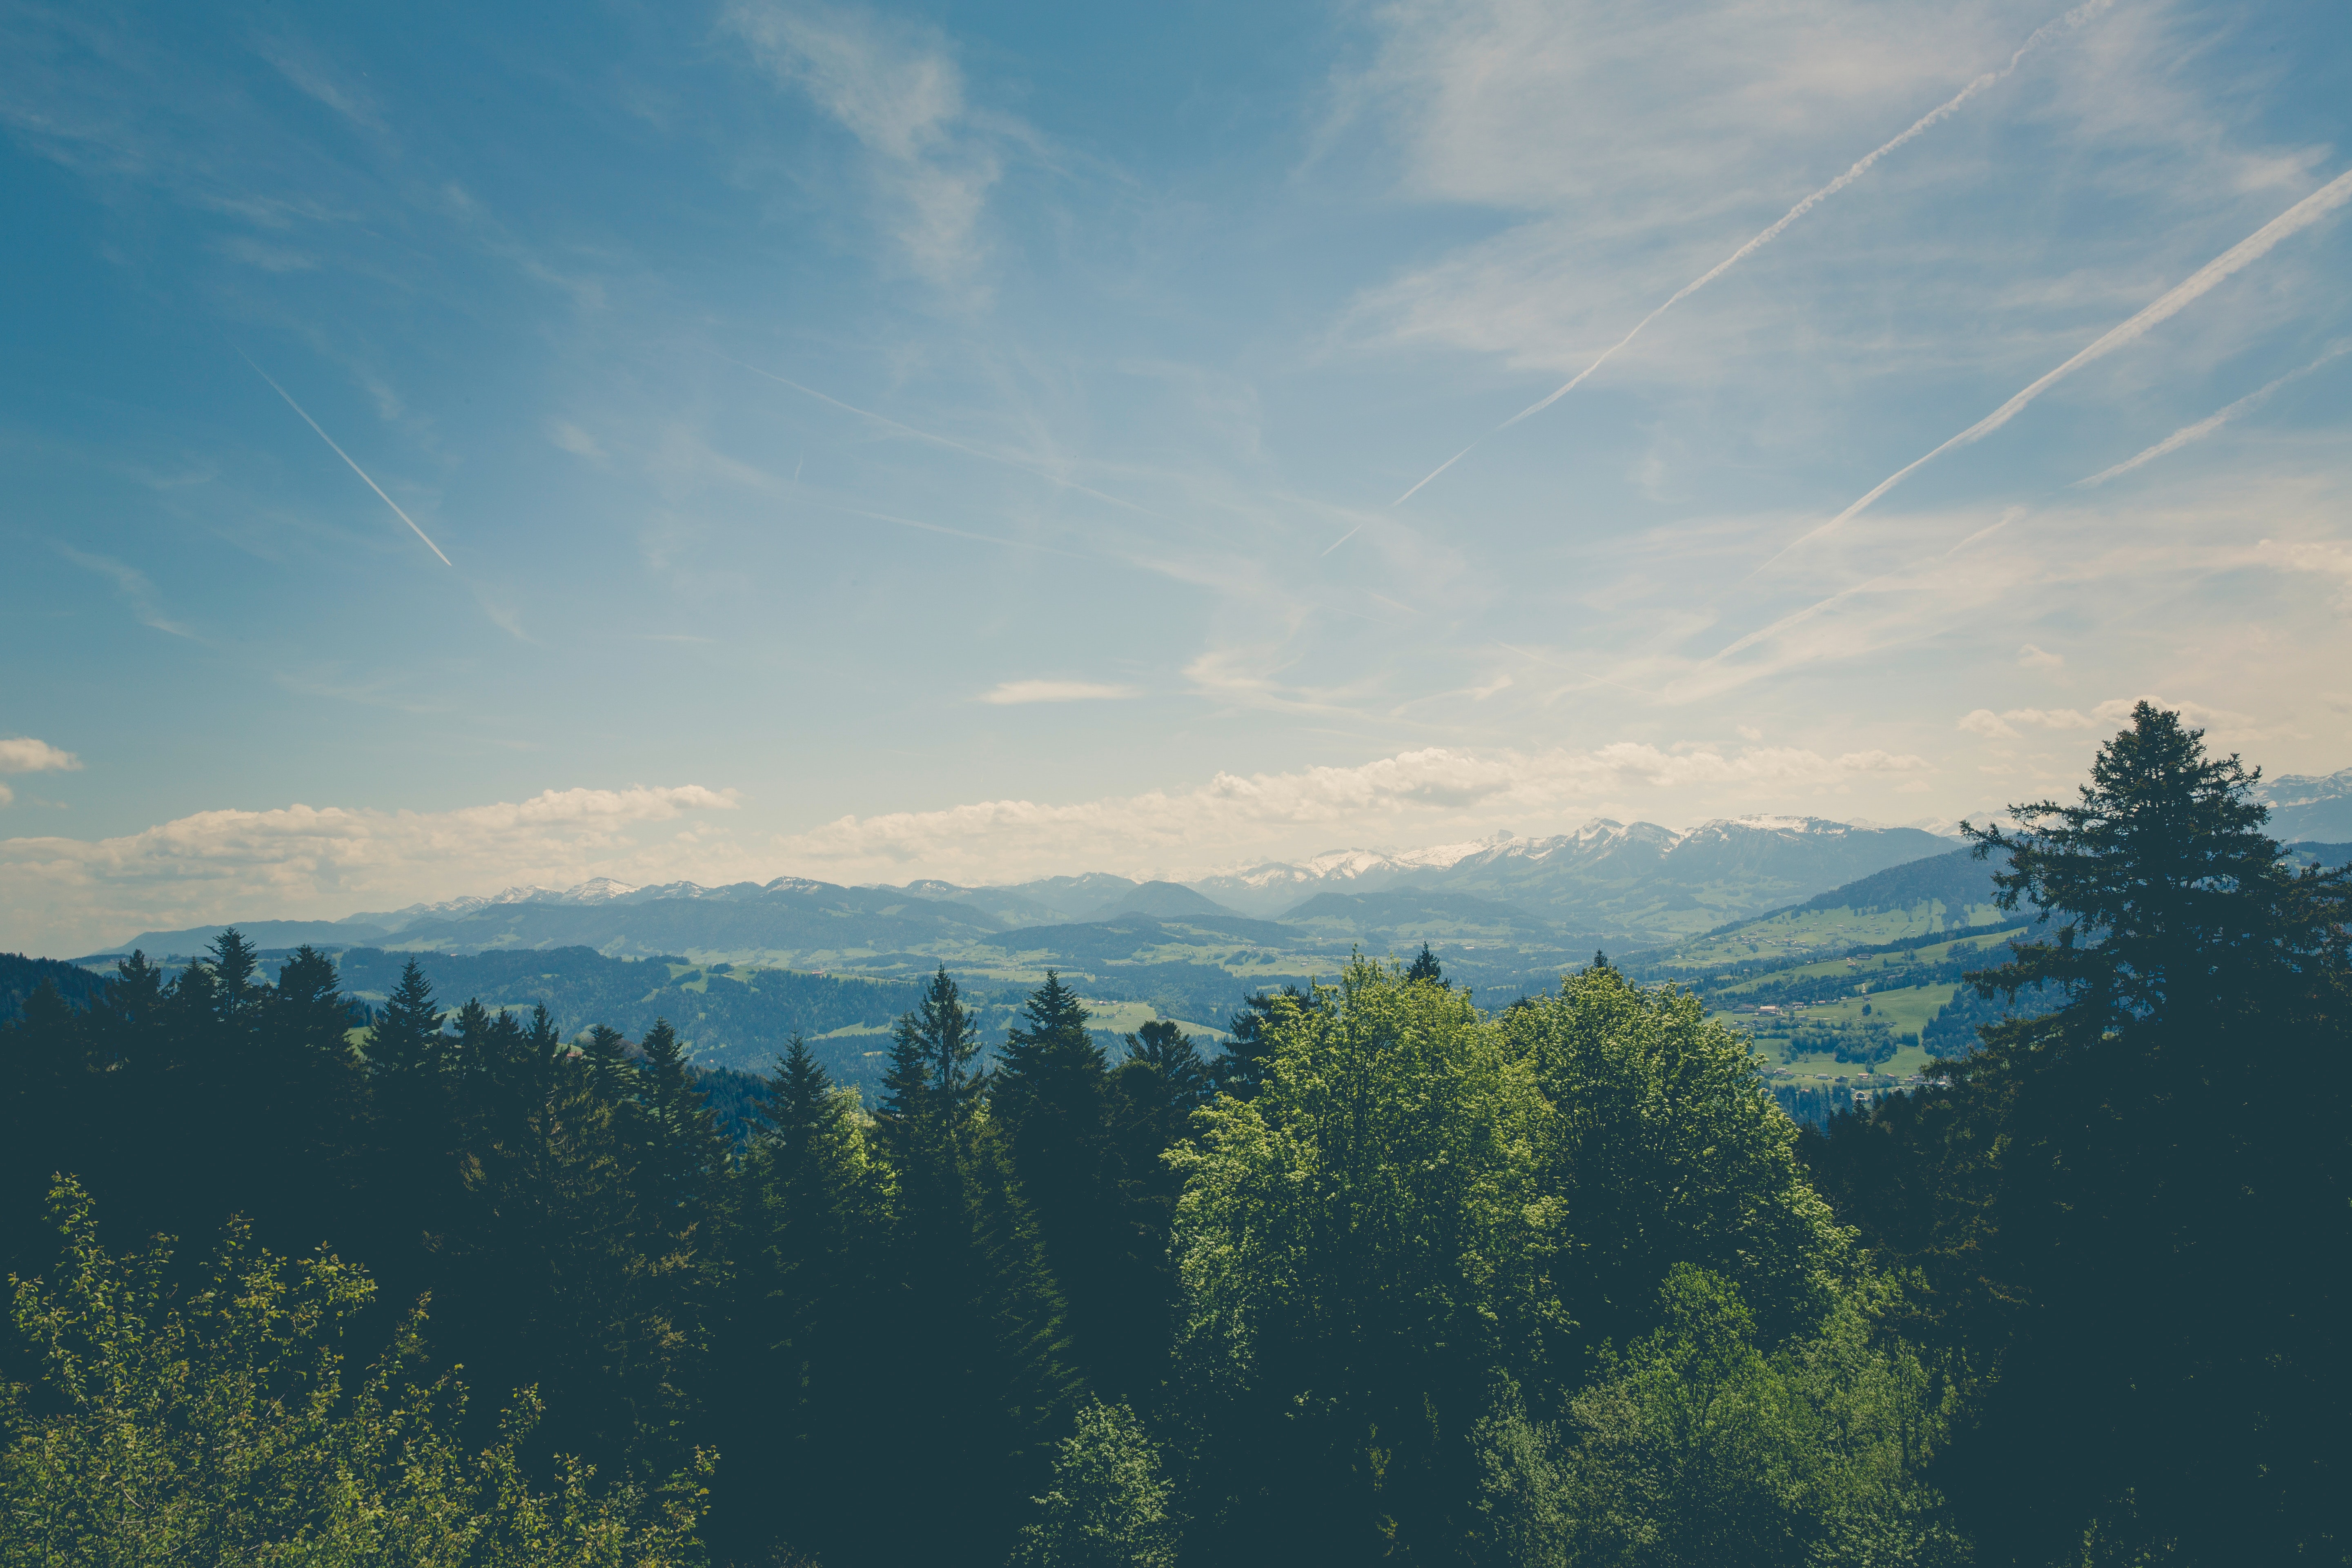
[
  {"x": 1877, "y": 762},
  {"x": 573, "y": 440},
  {"x": 64, "y": 895},
  {"x": 133, "y": 585},
  {"x": 2032, "y": 657},
  {"x": 2005, "y": 726},
  {"x": 1013, "y": 691},
  {"x": 2118, "y": 710},
  {"x": 24, "y": 754},
  {"x": 894, "y": 87},
  {"x": 1185, "y": 832}
]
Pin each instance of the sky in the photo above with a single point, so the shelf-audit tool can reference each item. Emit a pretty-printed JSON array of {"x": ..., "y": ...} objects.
[{"x": 447, "y": 447}]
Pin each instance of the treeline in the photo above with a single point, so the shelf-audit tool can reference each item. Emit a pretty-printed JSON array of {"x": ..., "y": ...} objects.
[{"x": 1390, "y": 1279}]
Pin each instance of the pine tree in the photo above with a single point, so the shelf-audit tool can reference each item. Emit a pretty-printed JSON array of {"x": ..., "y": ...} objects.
[
  {"x": 1247, "y": 1062},
  {"x": 2117, "y": 1215},
  {"x": 930, "y": 1088},
  {"x": 1425, "y": 966},
  {"x": 405, "y": 1048},
  {"x": 1172, "y": 1059},
  {"x": 684, "y": 1155},
  {"x": 234, "y": 968},
  {"x": 975, "y": 1372},
  {"x": 798, "y": 1417},
  {"x": 1052, "y": 1098}
]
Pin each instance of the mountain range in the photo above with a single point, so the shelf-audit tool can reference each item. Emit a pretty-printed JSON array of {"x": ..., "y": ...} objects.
[
  {"x": 1605, "y": 881},
  {"x": 2313, "y": 806}
]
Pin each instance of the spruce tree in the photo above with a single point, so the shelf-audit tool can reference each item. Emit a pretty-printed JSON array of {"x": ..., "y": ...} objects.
[
  {"x": 1181, "y": 1078},
  {"x": 930, "y": 1087},
  {"x": 806, "y": 1438},
  {"x": 405, "y": 1048},
  {"x": 1247, "y": 1061},
  {"x": 2135, "y": 1235},
  {"x": 1053, "y": 1101},
  {"x": 975, "y": 1374},
  {"x": 1425, "y": 966}
]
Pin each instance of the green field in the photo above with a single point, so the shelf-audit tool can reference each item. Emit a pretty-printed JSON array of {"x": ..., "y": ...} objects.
[{"x": 1801, "y": 932}]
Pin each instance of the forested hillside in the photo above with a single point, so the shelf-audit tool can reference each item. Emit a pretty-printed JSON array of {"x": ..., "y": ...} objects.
[
  {"x": 1393, "y": 1277},
  {"x": 21, "y": 976}
]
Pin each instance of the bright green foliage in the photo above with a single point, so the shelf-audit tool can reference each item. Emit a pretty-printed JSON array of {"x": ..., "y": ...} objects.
[
  {"x": 220, "y": 1429},
  {"x": 1663, "y": 1147},
  {"x": 1362, "y": 1246},
  {"x": 1699, "y": 1445},
  {"x": 1110, "y": 1506}
]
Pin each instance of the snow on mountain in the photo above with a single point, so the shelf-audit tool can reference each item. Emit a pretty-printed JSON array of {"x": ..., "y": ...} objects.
[
  {"x": 1583, "y": 875},
  {"x": 2313, "y": 806}
]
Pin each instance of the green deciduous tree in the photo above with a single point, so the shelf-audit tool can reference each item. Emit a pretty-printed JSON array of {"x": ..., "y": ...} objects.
[
  {"x": 220, "y": 1426},
  {"x": 1663, "y": 1148},
  {"x": 1110, "y": 1506},
  {"x": 1362, "y": 1246}
]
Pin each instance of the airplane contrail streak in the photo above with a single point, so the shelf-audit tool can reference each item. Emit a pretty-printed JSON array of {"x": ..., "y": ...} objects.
[
  {"x": 2206, "y": 426},
  {"x": 1341, "y": 539},
  {"x": 2247, "y": 251},
  {"x": 346, "y": 456},
  {"x": 1943, "y": 110},
  {"x": 1047, "y": 476},
  {"x": 1798, "y": 616}
]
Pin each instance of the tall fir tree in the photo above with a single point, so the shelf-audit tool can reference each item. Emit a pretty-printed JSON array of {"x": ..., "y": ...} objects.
[
  {"x": 2137, "y": 1244},
  {"x": 976, "y": 1370},
  {"x": 1054, "y": 1100}
]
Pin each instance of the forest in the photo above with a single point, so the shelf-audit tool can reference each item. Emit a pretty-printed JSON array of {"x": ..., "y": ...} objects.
[{"x": 1387, "y": 1278}]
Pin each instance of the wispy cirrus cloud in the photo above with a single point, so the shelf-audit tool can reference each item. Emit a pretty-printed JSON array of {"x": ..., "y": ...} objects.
[
  {"x": 2315, "y": 208},
  {"x": 897, "y": 87},
  {"x": 133, "y": 585},
  {"x": 1011, "y": 692}
]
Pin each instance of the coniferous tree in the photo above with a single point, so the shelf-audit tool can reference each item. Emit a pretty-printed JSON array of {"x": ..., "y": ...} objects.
[
  {"x": 1248, "y": 1059},
  {"x": 976, "y": 1374},
  {"x": 1052, "y": 1099},
  {"x": 930, "y": 1084},
  {"x": 798, "y": 1417},
  {"x": 1425, "y": 966},
  {"x": 407, "y": 1051},
  {"x": 2133, "y": 1242},
  {"x": 1171, "y": 1061}
]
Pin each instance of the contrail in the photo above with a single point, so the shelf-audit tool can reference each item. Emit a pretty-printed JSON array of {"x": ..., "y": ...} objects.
[
  {"x": 1944, "y": 110},
  {"x": 346, "y": 456},
  {"x": 2206, "y": 426},
  {"x": 1341, "y": 539},
  {"x": 1048, "y": 477},
  {"x": 1810, "y": 611},
  {"x": 2253, "y": 248}
]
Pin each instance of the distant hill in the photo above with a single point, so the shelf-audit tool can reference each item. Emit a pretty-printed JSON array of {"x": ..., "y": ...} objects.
[
  {"x": 191, "y": 942},
  {"x": 21, "y": 976},
  {"x": 1958, "y": 880},
  {"x": 1168, "y": 900}
]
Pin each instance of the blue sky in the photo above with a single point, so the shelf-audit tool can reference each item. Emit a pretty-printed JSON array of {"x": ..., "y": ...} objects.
[{"x": 868, "y": 443}]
